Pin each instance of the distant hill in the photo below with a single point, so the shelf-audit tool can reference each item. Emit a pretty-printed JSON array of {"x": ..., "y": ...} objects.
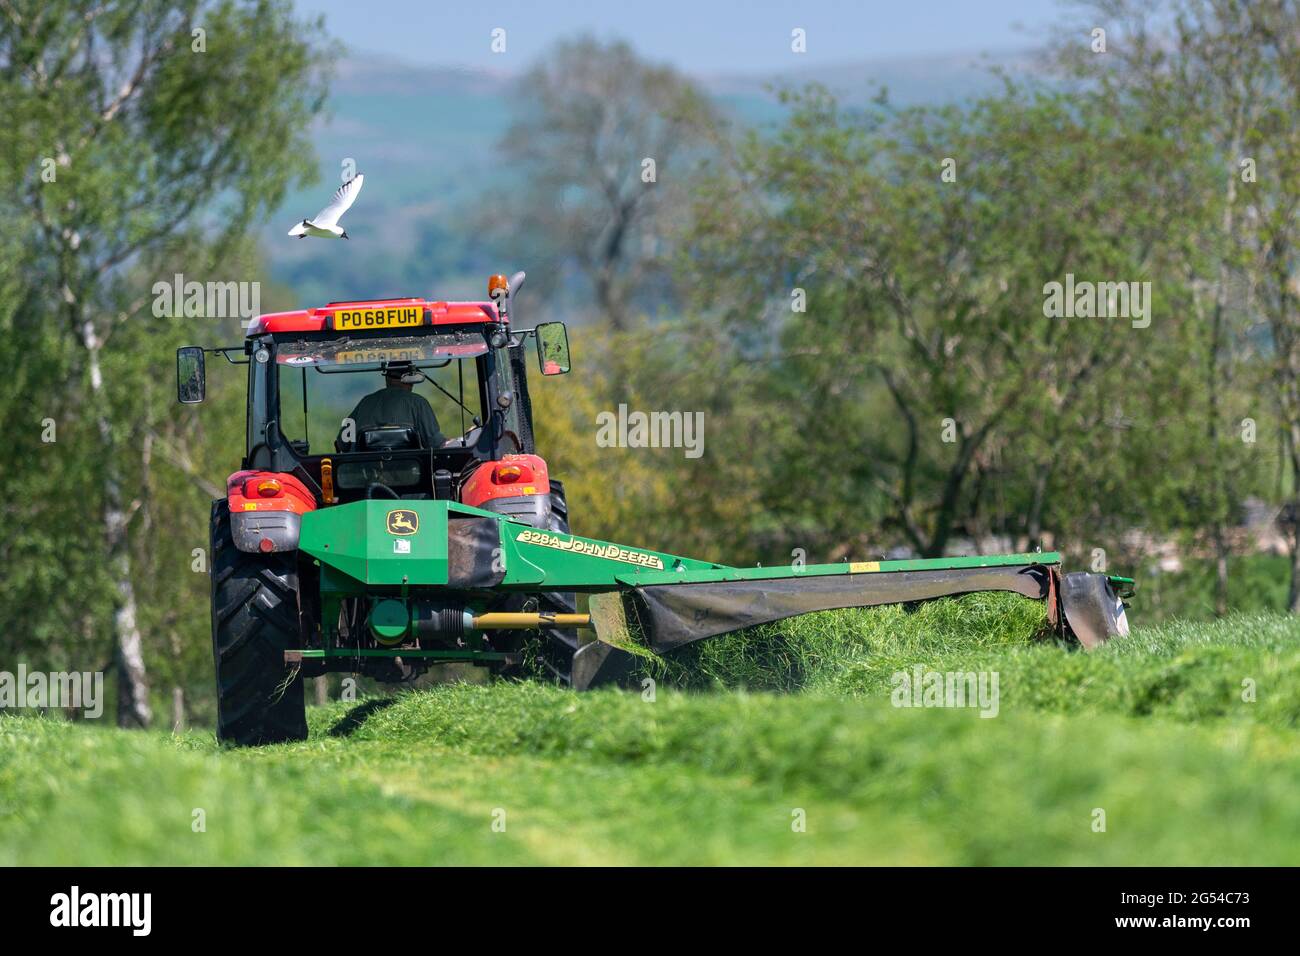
[
  {"x": 425, "y": 137},
  {"x": 910, "y": 81}
]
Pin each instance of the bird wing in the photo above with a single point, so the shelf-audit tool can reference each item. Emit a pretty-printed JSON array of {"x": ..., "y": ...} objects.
[{"x": 340, "y": 203}]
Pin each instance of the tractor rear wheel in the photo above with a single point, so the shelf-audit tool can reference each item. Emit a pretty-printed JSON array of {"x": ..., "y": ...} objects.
[
  {"x": 557, "y": 644},
  {"x": 254, "y": 621},
  {"x": 561, "y": 643}
]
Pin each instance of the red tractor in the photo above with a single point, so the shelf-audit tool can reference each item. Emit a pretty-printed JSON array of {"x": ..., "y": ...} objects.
[{"x": 307, "y": 368}]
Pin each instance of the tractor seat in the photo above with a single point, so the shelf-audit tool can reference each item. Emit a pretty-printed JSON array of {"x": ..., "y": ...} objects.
[{"x": 390, "y": 438}]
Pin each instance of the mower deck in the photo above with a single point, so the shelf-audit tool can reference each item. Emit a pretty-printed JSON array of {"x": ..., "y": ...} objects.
[{"x": 431, "y": 572}]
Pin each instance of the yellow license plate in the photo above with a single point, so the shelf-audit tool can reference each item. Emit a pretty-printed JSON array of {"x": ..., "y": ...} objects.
[
  {"x": 397, "y": 316},
  {"x": 367, "y": 356}
]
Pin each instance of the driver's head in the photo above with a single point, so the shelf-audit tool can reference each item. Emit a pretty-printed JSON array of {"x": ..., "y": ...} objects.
[{"x": 401, "y": 375}]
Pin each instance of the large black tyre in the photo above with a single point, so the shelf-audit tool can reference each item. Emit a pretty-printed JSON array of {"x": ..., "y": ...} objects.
[
  {"x": 557, "y": 645},
  {"x": 254, "y": 621},
  {"x": 571, "y": 660},
  {"x": 561, "y": 642},
  {"x": 563, "y": 601}
]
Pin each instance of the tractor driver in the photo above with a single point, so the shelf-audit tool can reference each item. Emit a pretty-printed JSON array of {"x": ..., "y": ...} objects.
[{"x": 396, "y": 404}]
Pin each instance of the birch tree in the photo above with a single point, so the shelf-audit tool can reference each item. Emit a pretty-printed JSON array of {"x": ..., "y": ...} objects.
[{"x": 139, "y": 131}]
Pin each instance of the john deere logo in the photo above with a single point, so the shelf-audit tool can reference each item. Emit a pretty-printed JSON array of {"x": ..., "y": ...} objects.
[{"x": 403, "y": 522}]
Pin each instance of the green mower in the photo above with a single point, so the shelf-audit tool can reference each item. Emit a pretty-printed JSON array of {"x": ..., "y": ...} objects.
[{"x": 389, "y": 553}]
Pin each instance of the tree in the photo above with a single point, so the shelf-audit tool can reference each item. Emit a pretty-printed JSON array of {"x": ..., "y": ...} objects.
[
  {"x": 603, "y": 142},
  {"x": 139, "y": 133},
  {"x": 925, "y": 354},
  {"x": 1223, "y": 76}
]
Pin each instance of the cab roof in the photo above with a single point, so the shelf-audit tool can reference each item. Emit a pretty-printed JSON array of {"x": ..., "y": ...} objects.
[{"x": 322, "y": 319}]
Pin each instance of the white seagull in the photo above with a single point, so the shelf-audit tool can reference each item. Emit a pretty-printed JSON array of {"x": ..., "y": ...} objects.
[{"x": 324, "y": 225}]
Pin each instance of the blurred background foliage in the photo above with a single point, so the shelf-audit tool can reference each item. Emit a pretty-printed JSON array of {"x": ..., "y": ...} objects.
[{"x": 864, "y": 335}]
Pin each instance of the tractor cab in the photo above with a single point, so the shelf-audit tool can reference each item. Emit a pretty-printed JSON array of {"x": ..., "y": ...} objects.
[{"x": 393, "y": 398}]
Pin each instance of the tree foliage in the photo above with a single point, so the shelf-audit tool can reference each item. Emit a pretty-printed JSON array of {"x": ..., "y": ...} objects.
[
  {"x": 143, "y": 138},
  {"x": 603, "y": 142}
]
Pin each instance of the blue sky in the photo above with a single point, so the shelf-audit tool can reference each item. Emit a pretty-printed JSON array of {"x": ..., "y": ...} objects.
[{"x": 703, "y": 37}]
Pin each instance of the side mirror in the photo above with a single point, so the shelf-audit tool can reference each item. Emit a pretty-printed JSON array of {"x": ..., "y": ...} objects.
[
  {"x": 190, "y": 377},
  {"x": 553, "y": 348}
]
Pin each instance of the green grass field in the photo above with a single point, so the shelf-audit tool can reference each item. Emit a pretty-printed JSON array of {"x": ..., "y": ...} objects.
[{"x": 1157, "y": 731}]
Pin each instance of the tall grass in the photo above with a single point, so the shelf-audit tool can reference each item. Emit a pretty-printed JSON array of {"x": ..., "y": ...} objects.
[
  {"x": 611, "y": 777},
  {"x": 817, "y": 651},
  {"x": 1183, "y": 734},
  {"x": 1244, "y": 667}
]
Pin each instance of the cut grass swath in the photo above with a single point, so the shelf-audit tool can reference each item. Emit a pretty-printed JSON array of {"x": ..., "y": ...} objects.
[{"x": 821, "y": 651}]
